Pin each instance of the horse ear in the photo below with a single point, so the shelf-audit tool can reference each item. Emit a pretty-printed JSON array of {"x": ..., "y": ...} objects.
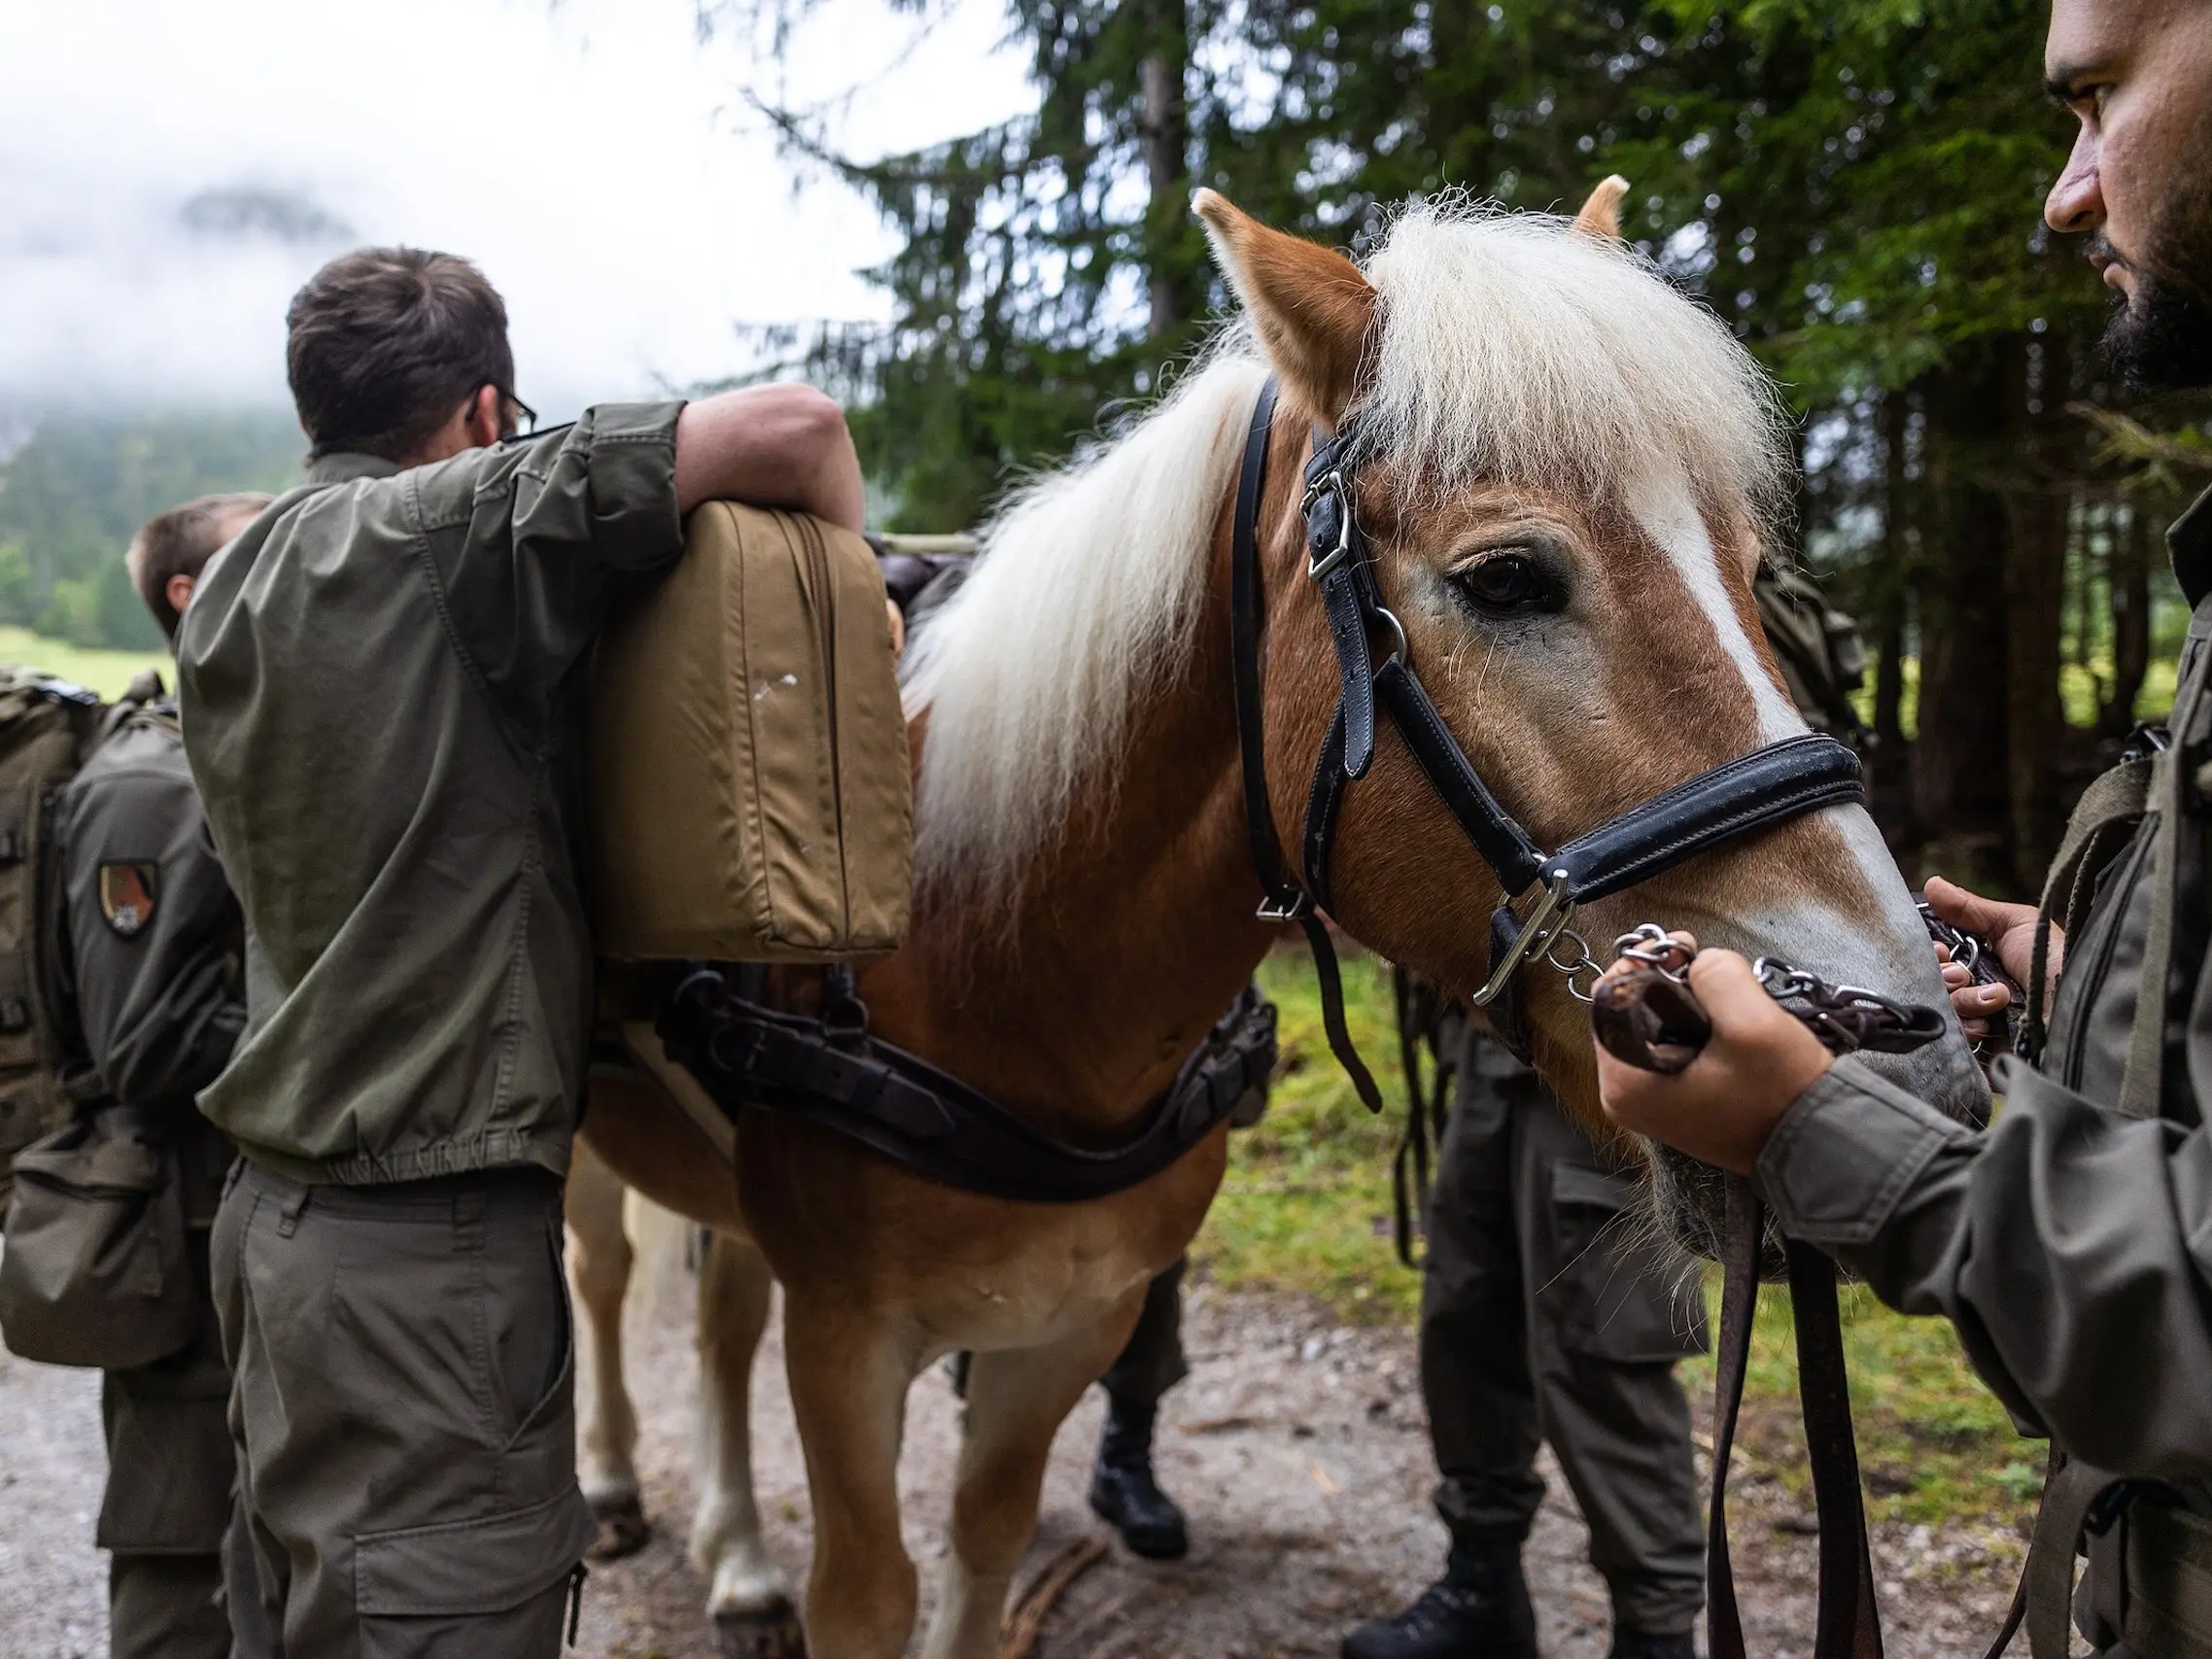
[
  {"x": 1601, "y": 214},
  {"x": 1311, "y": 306}
]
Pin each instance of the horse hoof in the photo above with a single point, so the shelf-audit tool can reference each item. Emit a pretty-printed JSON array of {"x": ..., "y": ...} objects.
[
  {"x": 769, "y": 1633},
  {"x": 623, "y": 1528}
]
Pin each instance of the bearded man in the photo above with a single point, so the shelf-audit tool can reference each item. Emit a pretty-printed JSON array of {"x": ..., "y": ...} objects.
[{"x": 2071, "y": 1243}]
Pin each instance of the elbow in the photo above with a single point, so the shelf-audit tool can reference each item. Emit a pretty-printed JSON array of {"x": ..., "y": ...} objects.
[{"x": 808, "y": 423}]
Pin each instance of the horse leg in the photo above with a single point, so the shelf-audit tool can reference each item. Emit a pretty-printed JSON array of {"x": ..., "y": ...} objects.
[
  {"x": 600, "y": 1260},
  {"x": 748, "y": 1599},
  {"x": 849, "y": 1374},
  {"x": 1017, "y": 1401}
]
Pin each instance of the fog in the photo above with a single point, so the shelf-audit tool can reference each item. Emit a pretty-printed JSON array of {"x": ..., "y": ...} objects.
[{"x": 170, "y": 173}]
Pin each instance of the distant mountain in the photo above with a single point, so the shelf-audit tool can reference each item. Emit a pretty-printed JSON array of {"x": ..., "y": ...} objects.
[
  {"x": 76, "y": 485},
  {"x": 245, "y": 212}
]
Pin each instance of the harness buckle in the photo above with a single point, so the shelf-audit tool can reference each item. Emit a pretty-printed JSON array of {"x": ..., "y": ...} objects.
[
  {"x": 1553, "y": 909},
  {"x": 1293, "y": 909},
  {"x": 1329, "y": 483}
]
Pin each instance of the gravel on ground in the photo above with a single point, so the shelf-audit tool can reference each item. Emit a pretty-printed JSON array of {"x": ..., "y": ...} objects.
[{"x": 1296, "y": 1446}]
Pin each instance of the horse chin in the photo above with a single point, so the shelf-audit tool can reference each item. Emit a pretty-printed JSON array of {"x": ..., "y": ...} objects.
[{"x": 1690, "y": 1201}]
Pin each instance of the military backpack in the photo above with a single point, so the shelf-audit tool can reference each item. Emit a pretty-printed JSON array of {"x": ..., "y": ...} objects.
[
  {"x": 49, "y": 729},
  {"x": 1822, "y": 657}
]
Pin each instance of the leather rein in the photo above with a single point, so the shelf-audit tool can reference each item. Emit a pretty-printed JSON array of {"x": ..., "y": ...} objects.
[{"x": 1771, "y": 785}]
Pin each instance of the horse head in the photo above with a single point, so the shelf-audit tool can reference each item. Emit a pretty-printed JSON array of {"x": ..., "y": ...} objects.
[{"x": 1564, "y": 474}]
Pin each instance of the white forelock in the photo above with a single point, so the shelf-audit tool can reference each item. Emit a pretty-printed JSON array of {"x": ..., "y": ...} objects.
[
  {"x": 1509, "y": 347},
  {"x": 1515, "y": 348}
]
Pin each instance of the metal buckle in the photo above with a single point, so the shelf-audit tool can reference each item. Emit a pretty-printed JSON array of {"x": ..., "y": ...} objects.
[
  {"x": 1329, "y": 483},
  {"x": 1294, "y": 909},
  {"x": 1552, "y": 911}
]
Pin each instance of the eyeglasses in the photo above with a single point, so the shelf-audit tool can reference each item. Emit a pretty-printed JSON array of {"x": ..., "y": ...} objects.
[{"x": 524, "y": 420}]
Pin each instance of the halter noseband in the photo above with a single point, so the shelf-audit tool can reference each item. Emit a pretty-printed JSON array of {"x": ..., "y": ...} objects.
[{"x": 1771, "y": 785}]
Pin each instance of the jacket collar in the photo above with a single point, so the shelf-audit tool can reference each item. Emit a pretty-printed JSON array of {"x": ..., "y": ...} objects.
[
  {"x": 2190, "y": 543},
  {"x": 344, "y": 466}
]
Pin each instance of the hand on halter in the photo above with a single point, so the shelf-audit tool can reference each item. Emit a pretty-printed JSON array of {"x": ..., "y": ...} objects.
[
  {"x": 1723, "y": 1105},
  {"x": 2007, "y": 929}
]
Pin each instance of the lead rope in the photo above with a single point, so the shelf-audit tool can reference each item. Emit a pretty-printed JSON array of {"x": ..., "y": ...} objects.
[{"x": 1848, "y": 1624}]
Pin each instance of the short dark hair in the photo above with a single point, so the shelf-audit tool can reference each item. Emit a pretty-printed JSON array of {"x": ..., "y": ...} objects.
[
  {"x": 180, "y": 543},
  {"x": 385, "y": 343}
]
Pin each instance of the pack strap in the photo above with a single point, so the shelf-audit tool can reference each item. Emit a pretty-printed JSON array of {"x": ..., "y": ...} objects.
[
  {"x": 2144, "y": 1082},
  {"x": 745, "y": 1055},
  {"x": 2107, "y": 813}
]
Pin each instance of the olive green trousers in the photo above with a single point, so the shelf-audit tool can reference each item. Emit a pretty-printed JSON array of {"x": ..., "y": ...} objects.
[
  {"x": 168, "y": 1495},
  {"x": 405, "y": 1417},
  {"x": 1548, "y": 1315}
]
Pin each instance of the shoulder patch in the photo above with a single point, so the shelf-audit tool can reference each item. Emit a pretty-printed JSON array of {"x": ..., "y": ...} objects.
[{"x": 126, "y": 897}]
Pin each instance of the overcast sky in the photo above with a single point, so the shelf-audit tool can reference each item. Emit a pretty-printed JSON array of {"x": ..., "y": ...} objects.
[{"x": 593, "y": 155}]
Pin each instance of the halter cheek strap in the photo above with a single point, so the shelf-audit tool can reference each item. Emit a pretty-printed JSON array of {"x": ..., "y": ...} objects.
[{"x": 1754, "y": 792}]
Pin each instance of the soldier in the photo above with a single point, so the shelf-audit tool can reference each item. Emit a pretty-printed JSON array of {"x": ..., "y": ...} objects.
[
  {"x": 381, "y": 683},
  {"x": 2069, "y": 1242},
  {"x": 150, "y": 974},
  {"x": 1548, "y": 1314}
]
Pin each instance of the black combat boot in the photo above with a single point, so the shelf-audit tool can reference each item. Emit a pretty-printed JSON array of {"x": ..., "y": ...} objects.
[
  {"x": 1124, "y": 1494},
  {"x": 1479, "y": 1609},
  {"x": 1645, "y": 1644}
]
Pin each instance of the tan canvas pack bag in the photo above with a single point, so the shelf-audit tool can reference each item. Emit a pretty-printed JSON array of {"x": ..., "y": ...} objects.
[{"x": 749, "y": 791}]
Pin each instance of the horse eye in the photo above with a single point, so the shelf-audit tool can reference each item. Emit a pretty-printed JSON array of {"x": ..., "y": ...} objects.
[{"x": 1504, "y": 581}]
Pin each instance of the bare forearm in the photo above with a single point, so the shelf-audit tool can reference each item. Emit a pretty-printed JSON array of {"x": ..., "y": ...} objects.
[{"x": 775, "y": 446}]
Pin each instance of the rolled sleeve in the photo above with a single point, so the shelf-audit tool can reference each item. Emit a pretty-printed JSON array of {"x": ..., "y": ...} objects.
[
  {"x": 634, "y": 522},
  {"x": 1845, "y": 1153},
  {"x": 534, "y": 542}
]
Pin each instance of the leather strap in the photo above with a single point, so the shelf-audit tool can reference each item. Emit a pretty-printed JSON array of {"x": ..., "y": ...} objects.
[
  {"x": 1741, "y": 797},
  {"x": 1847, "y": 1625},
  {"x": 746, "y": 1054},
  {"x": 1283, "y": 898},
  {"x": 1745, "y": 1237},
  {"x": 1502, "y": 844},
  {"x": 1847, "y": 1621},
  {"x": 1323, "y": 799}
]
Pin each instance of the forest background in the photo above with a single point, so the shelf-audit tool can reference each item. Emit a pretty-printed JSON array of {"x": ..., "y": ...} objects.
[{"x": 1854, "y": 185}]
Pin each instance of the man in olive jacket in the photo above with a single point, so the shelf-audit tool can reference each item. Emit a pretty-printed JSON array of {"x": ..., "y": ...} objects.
[
  {"x": 150, "y": 972},
  {"x": 2071, "y": 1244},
  {"x": 381, "y": 685}
]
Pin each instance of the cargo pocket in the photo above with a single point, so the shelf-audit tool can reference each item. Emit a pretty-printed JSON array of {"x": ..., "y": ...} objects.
[
  {"x": 466, "y": 1589},
  {"x": 1615, "y": 1291}
]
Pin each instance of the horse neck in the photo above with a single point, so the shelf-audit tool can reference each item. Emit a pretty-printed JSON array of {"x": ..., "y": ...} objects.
[{"x": 1129, "y": 938}]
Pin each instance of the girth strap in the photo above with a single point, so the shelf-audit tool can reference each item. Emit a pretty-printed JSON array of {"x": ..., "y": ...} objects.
[{"x": 746, "y": 1054}]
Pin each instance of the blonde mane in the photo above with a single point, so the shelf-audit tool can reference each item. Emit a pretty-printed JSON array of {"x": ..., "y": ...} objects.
[{"x": 1508, "y": 347}]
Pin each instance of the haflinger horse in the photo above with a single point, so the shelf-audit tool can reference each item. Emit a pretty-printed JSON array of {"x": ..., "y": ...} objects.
[{"x": 1563, "y": 475}]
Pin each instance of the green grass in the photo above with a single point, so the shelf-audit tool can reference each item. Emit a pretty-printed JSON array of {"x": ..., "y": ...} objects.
[
  {"x": 2079, "y": 691},
  {"x": 105, "y": 671},
  {"x": 1307, "y": 1205}
]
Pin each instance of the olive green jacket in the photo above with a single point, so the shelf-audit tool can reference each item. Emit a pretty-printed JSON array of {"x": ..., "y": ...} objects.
[
  {"x": 381, "y": 683},
  {"x": 2070, "y": 1245},
  {"x": 154, "y": 985}
]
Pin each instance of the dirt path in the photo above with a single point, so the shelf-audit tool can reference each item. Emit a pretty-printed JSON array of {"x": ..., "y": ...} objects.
[{"x": 1296, "y": 1446}]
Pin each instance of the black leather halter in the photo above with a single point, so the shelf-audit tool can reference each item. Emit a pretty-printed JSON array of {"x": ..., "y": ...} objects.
[{"x": 1771, "y": 785}]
